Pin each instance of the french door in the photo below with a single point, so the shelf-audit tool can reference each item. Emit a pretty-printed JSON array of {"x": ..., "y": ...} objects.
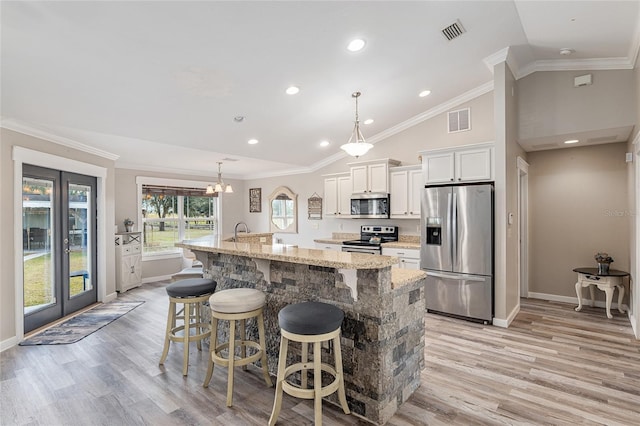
[{"x": 59, "y": 244}]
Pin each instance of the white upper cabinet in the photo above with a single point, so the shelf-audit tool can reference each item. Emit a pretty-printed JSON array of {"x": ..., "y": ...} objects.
[
  {"x": 465, "y": 164},
  {"x": 371, "y": 176},
  {"x": 406, "y": 184},
  {"x": 337, "y": 195}
]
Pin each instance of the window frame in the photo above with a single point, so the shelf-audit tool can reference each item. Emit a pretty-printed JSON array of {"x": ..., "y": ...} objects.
[{"x": 146, "y": 180}]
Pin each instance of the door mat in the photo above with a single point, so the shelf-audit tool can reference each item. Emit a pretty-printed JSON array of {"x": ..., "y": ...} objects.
[{"x": 79, "y": 327}]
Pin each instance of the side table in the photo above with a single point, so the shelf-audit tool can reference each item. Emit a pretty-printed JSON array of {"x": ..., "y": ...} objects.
[{"x": 589, "y": 277}]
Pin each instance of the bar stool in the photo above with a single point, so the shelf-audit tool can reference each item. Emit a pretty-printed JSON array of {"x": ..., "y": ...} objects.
[
  {"x": 238, "y": 304},
  {"x": 191, "y": 293},
  {"x": 310, "y": 322}
]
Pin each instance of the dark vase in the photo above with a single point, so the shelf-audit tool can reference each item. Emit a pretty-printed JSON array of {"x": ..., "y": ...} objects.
[{"x": 603, "y": 268}]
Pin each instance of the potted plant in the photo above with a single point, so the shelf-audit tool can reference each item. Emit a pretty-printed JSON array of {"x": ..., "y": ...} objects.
[{"x": 128, "y": 225}]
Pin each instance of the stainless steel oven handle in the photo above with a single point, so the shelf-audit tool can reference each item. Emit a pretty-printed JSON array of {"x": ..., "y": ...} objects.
[{"x": 360, "y": 250}]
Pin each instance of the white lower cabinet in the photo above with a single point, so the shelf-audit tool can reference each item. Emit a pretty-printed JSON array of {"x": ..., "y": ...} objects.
[
  {"x": 128, "y": 260},
  {"x": 409, "y": 258}
]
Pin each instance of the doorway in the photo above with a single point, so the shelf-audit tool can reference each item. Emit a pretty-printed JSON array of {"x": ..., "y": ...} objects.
[
  {"x": 59, "y": 244},
  {"x": 523, "y": 227}
]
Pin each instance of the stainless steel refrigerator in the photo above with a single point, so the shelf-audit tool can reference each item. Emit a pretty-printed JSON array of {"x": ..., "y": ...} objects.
[{"x": 457, "y": 249}]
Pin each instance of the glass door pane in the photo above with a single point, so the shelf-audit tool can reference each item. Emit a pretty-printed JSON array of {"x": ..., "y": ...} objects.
[
  {"x": 38, "y": 211},
  {"x": 77, "y": 241}
]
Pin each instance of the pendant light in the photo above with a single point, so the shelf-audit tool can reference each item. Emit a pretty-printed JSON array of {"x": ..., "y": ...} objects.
[
  {"x": 356, "y": 146},
  {"x": 219, "y": 185}
]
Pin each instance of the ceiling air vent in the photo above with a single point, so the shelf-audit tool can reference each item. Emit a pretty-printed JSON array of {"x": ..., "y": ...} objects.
[
  {"x": 454, "y": 30},
  {"x": 460, "y": 120}
]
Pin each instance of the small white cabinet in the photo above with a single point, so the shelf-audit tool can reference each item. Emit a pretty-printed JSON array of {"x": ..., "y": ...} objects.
[
  {"x": 406, "y": 185},
  {"x": 465, "y": 164},
  {"x": 128, "y": 260},
  {"x": 371, "y": 176},
  {"x": 409, "y": 258},
  {"x": 337, "y": 195}
]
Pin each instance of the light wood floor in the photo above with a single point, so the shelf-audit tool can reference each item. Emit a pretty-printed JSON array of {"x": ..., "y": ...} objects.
[{"x": 552, "y": 366}]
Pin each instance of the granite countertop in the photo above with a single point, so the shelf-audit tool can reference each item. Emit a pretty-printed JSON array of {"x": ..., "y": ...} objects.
[
  {"x": 402, "y": 244},
  {"x": 292, "y": 254},
  {"x": 402, "y": 277}
]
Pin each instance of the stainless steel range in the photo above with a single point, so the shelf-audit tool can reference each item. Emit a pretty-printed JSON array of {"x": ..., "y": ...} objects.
[{"x": 370, "y": 239}]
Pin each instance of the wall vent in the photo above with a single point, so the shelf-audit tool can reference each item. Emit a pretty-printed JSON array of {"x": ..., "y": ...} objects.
[
  {"x": 454, "y": 30},
  {"x": 460, "y": 120}
]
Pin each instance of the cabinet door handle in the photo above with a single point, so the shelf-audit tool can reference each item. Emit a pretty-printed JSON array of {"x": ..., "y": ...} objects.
[
  {"x": 133, "y": 269},
  {"x": 451, "y": 179}
]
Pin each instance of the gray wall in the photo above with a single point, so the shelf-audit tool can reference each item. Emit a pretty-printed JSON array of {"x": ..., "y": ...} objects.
[
  {"x": 9, "y": 139},
  {"x": 578, "y": 197},
  {"x": 549, "y": 104}
]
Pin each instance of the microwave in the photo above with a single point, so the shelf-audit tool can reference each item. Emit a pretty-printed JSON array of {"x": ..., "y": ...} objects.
[{"x": 370, "y": 206}]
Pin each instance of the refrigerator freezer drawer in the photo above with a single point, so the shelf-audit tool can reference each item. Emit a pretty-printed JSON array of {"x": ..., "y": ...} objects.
[{"x": 464, "y": 295}]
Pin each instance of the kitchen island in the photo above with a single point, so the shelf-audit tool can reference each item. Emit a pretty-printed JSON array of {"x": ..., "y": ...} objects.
[{"x": 383, "y": 329}]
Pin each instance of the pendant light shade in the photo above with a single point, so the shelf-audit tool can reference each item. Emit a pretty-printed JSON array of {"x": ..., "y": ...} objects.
[
  {"x": 219, "y": 185},
  {"x": 356, "y": 146}
]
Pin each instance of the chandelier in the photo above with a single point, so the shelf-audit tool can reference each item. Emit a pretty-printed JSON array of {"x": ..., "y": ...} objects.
[
  {"x": 356, "y": 146},
  {"x": 219, "y": 185}
]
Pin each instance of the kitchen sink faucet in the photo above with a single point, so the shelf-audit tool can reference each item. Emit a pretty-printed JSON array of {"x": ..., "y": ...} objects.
[{"x": 235, "y": 230}]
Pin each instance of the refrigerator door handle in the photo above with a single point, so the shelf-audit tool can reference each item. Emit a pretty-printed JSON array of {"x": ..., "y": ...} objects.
[
  {"x": 454, "y": 235},
  {"x": 455, "y": 277},
  {"x": 450, "y": 225}
]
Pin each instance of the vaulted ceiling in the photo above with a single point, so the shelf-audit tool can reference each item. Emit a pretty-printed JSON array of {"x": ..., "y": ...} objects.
[{"x": 158, "y": 84}]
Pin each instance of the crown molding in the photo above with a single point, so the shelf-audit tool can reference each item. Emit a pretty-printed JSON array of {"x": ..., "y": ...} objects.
[
  {"x": 496, "y": 58},
  {"x": 584, "y": 64},
  {"x": 174, "y": 170},
  {"x": 17, "y": 126}
]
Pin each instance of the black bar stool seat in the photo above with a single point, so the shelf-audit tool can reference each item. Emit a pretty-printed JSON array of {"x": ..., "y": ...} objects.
[{"x": 191, "y": 293}]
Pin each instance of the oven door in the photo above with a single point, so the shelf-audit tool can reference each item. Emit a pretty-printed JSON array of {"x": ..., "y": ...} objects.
[{"x": 362, "y": 249}]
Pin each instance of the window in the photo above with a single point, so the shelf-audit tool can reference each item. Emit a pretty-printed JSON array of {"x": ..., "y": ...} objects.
[{"x": 173, "y": 213}]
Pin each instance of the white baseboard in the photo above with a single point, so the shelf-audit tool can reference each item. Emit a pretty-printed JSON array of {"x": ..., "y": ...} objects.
[
  {"x": 504, "y": 323},
  {"x": 9, "y": 343},
  {"x": 109, "y": 297},
  {"x": 633, "y": 320},
  {"x": 154, "y": 279},
  {"x": 574, "y": 300}
]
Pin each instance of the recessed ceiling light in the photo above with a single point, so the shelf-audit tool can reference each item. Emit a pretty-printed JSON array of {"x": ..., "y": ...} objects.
[
  {"x": 238, "y": 118},
  {"x": 356, "y": 45},
  {"x": 571, "y": 141},
  {"x": 565, "y": 51},
  {"x": 368, "y": 121},
  {"x": 292, "y": 90},
  {"x": 424, "y": 93},
  {"x": 252, "y": 141},
  {"x": 324, "y": 143}
]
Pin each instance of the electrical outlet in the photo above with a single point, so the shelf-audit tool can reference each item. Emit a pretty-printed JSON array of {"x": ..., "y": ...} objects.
[
  {"x": 263, "y": 239},
  {"x": 418, "y": 228}
]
